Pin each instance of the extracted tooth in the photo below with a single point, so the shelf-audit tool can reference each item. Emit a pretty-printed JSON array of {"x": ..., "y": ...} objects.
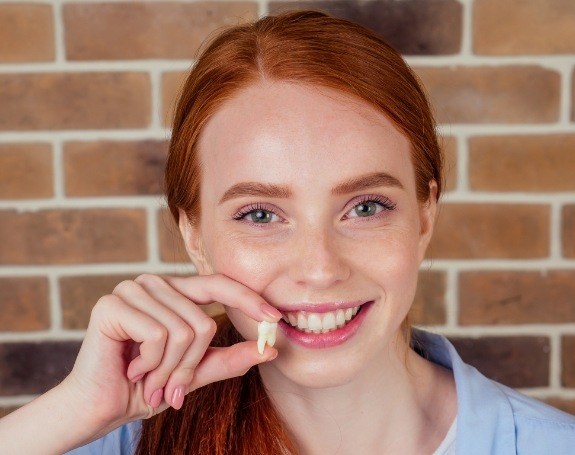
[{"x": 266, "y": 334}]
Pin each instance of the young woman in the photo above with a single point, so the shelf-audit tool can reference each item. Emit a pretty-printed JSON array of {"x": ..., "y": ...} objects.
[{"x": 304, "y": 173}]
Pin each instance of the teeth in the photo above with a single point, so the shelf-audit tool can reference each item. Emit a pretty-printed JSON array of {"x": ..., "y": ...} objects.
[
  {"x": 348, "y": 314},
  {"x": 266, "y": 334},
  {"x": 340, "y": 318},
  {"x": 321, "y": 322}
]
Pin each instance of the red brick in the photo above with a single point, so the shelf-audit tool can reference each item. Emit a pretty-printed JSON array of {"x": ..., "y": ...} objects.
[
  {"x": 25, "y": 304},
  {"x": 26, "y": 33},
  {"x": 516, "y": 297},
  {"x": 568, "y": 360},
  {"x": 481, "y": 230},
  {"x": 568, "y": 231},
  {"x": 573, "y": 96},
  {"x": 32, "y": 368},
  {"x": 522, "y": 163},
  {"x": 502, "y": 94},
  {"x": 513, "y": 27},
  {"x": 172, "y": 248},
  {"x": 73, "y": 236},
  {"x": 415, "y": 27},
  {"x": 122, "y": 168},
  {"x": 172, "y": 84},
  {"x": 564, "y": 404},
  {"x": 25, "y": 171},
  {"x": 140, "y": 30},
  {"x": 450, "y": 166},
  {"x": 429, "y": 303},
  {"x": 516, "y": 361},
  {"x": 78, "y": 294},
  {"x": 74, "y": 101}
]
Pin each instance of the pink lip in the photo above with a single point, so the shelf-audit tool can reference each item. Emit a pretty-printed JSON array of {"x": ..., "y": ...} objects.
[
  {"x": 329, "y": 339},
  {"x": 323, "y": 307}
]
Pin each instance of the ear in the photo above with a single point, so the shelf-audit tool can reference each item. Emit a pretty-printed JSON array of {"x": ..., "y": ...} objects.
[
  {"x": 427, "y": 213},
  {"x": 194, "y": 245}
]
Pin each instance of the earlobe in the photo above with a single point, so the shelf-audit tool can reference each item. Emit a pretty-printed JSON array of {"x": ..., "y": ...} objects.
[
  {"x": 428, "y": 211},
  {"x": 193, "y": 243}
]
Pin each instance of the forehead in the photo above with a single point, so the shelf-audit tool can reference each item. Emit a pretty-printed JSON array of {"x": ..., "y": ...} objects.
[{"x": 298, "y": 134}]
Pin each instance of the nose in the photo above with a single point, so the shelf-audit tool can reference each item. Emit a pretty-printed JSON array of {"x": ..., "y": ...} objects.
[{"x": 318, "y": 259}]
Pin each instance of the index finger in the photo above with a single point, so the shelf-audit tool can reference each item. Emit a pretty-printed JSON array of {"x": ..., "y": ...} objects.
[{"x": 207, "y": 289}]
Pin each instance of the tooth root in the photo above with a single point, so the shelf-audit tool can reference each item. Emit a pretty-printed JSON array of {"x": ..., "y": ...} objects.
[
  {"x": 266, "y": 334},
  {"x": 261, "y": 345},
  {"x": 340, "y": 318}
]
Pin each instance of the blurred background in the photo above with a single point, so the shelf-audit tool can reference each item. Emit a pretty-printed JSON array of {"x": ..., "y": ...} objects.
[{"x": 86, "y": 95}]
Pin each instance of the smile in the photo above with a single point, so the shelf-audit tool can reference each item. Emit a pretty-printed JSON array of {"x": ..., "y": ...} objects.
[{"x": 310, "y": 322}]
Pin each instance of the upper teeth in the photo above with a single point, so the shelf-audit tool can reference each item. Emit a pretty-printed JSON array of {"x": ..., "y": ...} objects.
[{"x": 320, "y": 322}]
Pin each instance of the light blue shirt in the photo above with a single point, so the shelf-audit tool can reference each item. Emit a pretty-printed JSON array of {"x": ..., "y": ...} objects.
[{"x": 491, "y": 418}]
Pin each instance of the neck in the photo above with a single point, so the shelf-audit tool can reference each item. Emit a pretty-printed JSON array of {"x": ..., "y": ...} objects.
[{"x": 370, "y": 414}]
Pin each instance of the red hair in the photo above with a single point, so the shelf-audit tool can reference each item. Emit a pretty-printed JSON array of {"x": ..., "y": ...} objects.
[{"x": 236, "y": 416}]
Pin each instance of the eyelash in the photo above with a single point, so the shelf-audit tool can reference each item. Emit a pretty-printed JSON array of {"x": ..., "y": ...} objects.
[{"x": 386, "y": 203}]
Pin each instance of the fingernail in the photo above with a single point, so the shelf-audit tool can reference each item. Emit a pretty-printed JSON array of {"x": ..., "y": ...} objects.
[
  {"x": 137, "y": 378},
  {"x": 156, "y": 398},
  {"x": 178, "y": 397},
  {"x": 271, "y": 312}
]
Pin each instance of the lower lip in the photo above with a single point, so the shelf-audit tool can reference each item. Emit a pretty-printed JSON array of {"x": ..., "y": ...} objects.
[{"x": 328, "y": 339}]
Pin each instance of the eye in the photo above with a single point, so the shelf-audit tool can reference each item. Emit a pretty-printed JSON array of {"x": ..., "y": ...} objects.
[
  {"x": 370, "y": 206},
  {"x": 257, "y": 214}
]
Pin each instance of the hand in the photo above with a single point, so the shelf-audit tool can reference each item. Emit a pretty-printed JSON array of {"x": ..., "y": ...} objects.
[{"x": 147, "y": 345}]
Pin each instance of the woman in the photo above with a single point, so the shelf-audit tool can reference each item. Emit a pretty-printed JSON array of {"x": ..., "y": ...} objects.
[{"x": 304, "y": 173}]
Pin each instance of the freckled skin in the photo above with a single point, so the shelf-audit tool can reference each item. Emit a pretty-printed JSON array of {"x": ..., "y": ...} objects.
[{"x": 316, "y": 249}]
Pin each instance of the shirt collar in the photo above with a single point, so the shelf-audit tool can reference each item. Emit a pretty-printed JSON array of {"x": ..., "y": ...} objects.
[{"x": 485, "y": 422}]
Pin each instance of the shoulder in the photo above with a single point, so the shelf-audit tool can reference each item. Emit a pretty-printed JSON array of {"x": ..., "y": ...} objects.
[
  {"x": 538, "y": 426},
  {"x": 121, "y": 441},
  {"x": 493, "y": 418}
]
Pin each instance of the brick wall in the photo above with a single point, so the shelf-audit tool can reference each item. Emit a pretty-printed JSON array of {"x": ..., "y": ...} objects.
[{"x": 86, "y": 91}]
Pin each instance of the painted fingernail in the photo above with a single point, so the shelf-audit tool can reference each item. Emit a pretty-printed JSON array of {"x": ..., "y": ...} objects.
[
  {"x": 178, "y": 397},
  {"x": 156, "y": 398},
  {"x": 271, "y": 312}
]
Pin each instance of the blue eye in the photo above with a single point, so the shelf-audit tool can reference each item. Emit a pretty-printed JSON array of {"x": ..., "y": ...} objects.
[
  {"x": 370, "y": 206},
  {"x": 257, "y": 214},
  {"x": 260, "y": 216}
]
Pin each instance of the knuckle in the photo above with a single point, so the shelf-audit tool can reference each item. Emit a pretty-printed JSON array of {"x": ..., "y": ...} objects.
[
  {"x": 124, "y": 286},
  {"x": 104, "y": 304},
  {"x": 183, "y": 335},
  {"x": 149, "y": 279},
  {"x": 206, "y": 327},
  {"x": 158, "y": 334}
]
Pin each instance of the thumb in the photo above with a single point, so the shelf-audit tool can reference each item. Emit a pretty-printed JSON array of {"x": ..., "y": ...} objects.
[{"x": 224, "y": 363}]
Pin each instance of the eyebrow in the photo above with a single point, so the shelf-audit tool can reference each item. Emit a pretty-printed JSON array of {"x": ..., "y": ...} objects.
[
  {"x": 256, "y": 189},
  {"x": 364, "y": 182}
]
